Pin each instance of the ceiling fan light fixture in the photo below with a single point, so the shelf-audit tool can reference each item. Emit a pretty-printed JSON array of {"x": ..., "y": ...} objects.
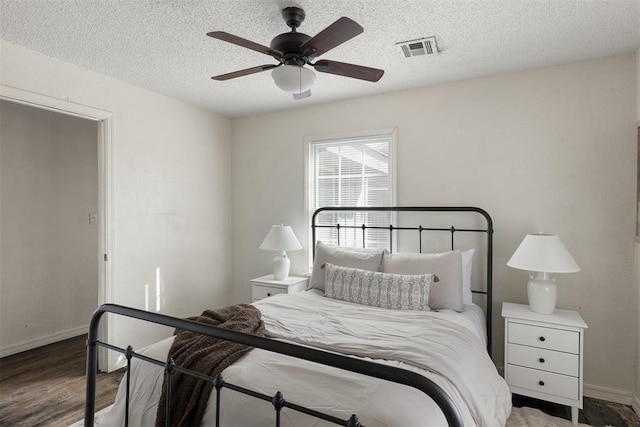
[{"x": 293, "y": 78}]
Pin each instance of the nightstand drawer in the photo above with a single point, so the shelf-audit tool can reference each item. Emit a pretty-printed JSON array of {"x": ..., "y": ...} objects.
[
  {"x": 266, "y": 286},
  {"x": 545, "y": 360},
  {"x": 543, "y": 382},
  {"x": 260, "y": 292},
  {"x": 549, "y": 338}
]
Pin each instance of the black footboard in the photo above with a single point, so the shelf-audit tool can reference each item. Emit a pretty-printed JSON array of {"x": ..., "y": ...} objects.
[{"x": 372, "y": 369}]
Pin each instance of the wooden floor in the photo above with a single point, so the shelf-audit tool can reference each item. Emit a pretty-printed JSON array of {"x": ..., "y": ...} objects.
[
  {"x": 595, "y": 413},
  {"x": 46, "y": 387}
]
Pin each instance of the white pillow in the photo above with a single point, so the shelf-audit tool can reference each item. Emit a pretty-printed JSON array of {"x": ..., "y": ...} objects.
[
  {"x": 447, "y": 293},
  {"x": 467, "y": 267},
  {"x": 384, "y": 290},
  {"x": 362, "y": 258}
]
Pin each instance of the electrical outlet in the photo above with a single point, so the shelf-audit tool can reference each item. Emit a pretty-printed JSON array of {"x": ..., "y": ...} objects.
[{"x": 93, "y": 218}]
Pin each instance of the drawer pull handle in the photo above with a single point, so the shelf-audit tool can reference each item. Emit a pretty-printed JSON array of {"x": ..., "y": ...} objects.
[
  {"x": 540, "y": 383},
  {"x": 541, "y": 360},
  {"x": 542, "y": 338},
  {"x": 268, "y": 294}
]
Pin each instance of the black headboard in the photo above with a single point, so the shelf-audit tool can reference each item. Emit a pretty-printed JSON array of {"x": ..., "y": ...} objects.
[{"x": 459, "y": 220}]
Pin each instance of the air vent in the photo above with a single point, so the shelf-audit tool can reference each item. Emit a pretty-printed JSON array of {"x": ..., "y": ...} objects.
[{"x": 419, "y": 47}]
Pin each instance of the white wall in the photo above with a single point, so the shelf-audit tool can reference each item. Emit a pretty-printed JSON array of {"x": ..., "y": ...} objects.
[
  {"x": 638, "y": 85},
  {"x": 172, "y": 189},
  {"x": 48, "y": 188},
  {"x": 636, "y": 395},
  {"x": 549, "y": 149}
]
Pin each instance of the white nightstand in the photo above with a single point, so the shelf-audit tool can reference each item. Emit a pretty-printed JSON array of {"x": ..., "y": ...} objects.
[
  {"x": 543, "y": 355},
  {"x": 266, "y": 286}
]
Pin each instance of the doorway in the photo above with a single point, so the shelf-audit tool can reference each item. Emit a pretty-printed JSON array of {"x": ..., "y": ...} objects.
[{"x": 102, "y": 126}]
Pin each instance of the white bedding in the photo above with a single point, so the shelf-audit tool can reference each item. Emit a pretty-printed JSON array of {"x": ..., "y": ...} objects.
[{"x": 447, "y": 347}]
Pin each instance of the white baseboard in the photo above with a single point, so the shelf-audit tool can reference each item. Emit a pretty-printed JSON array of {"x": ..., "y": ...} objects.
[
  {"x": 608, "y": 394},
  {"x": 39, "y": 342}
]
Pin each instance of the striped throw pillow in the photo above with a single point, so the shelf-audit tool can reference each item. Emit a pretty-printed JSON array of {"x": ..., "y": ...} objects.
[{"x": 377, "y": 289}]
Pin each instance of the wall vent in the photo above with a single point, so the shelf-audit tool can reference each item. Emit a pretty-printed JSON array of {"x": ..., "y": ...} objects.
[{"x": 419, "y": 47}]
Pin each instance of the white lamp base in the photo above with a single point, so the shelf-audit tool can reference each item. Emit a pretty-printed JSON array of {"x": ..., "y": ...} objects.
[
  {"x": 281, "y": 264},
  {"x": 543, "y": 294}
]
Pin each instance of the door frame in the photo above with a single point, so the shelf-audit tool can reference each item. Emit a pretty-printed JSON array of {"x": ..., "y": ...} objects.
[{"x": 106, "y": 224}]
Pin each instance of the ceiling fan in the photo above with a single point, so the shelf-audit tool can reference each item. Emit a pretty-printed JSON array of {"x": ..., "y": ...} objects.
[{"x": 294, "y": 50}]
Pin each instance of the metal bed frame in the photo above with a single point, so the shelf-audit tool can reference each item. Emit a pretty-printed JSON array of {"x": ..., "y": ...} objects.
[
  {"x": 372, "y": 369},
  {"x": 488, "y": 292}
]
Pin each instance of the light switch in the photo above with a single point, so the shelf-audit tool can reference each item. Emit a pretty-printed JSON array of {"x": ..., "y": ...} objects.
[{"x": 93, "y": 218}]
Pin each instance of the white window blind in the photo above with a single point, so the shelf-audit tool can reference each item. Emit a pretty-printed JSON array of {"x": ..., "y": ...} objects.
[{"x": 352, "y": 171}]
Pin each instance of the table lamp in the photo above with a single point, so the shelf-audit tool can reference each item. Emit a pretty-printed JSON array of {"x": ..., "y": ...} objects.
[
  {"x": 543, "y": 254},
  {"x": 281, "y": 239}
]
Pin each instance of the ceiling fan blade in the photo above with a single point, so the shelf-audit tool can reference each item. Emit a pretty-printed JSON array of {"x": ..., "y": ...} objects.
[
  {"x": 348, "y": 70},
  {"x": 244, "y": 72},
  {"x": 221, "y": 35},
  {"x": 335, "y": 34}
]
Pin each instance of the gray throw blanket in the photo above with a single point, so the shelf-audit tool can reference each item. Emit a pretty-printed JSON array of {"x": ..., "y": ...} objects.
[{"x": 206, "y": 355}]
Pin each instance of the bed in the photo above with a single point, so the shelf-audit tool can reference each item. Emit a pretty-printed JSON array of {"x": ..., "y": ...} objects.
[{"x": 347, "y": 354}]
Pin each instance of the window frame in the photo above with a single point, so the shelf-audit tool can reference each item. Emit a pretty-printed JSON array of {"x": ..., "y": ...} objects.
[{"x": 309, "y": 178}]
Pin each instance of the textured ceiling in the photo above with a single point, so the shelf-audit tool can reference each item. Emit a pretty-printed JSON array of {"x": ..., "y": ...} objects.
[{"x": 162, "y": 44}]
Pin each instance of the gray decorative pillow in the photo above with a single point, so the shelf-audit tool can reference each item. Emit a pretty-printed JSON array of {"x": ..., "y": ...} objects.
[
  {"x": 447, "y": 293},
  {"x": 365, "y": 259},
  {"x": 394, "y": 291}
]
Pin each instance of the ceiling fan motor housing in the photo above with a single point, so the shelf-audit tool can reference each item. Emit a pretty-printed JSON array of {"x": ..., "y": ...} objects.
[{"x": 289, "y": 44}]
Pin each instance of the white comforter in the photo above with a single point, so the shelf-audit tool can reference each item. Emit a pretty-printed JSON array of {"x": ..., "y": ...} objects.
[{"x": 444, "y": 347}]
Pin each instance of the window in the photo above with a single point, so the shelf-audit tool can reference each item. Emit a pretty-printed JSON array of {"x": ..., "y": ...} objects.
[{"x": 352, "y": 170}]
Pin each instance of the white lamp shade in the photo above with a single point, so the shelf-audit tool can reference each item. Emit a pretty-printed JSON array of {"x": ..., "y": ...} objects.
[
  {"x": 293, "y": 79},
  {"x": 543, "y": 253},
  {"x": 280, "y": 238}
]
